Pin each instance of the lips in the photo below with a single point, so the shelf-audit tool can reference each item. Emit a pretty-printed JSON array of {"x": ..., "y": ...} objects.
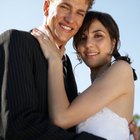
[{"x": 92, "y": 53}]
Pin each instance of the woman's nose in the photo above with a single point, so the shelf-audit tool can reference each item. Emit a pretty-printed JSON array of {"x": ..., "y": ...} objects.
[{"x": 89, "y": 43}]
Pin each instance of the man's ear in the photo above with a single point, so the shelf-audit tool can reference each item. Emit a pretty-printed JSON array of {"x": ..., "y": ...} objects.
[{"x": 46, "y": 7}]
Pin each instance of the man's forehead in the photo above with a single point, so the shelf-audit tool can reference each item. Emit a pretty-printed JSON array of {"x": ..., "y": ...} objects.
[{"x": 78, "y": 4}]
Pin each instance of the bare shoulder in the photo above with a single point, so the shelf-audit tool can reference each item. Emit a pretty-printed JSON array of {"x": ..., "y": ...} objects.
[
  {"x": 120, "y": 71},
  {"x": 122, "y": 66},
  {"x": 120, "y": 76},
  {"x": 122, "y": 63}
]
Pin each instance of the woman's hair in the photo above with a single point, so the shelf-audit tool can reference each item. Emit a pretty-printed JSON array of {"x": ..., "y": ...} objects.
[{"x": 109, "y": 23}]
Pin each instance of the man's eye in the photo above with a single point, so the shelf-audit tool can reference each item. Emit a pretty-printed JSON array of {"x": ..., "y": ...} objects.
[
  {"x": 64, "y": 7},
  {"x": 81, "y": 14}
]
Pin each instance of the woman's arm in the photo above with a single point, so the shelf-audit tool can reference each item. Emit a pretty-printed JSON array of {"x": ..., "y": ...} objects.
[
  {"x": 100, "y": 94},
  {"x": 105, "y": 89}
]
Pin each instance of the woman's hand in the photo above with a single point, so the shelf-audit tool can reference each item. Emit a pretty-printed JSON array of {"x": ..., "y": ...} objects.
[{"x": 47, "y": 44}]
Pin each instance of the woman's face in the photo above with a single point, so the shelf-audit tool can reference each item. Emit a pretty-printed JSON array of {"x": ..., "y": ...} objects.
[{"x": 96, "y": 46}]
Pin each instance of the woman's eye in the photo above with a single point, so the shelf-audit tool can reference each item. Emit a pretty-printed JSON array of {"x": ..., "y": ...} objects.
[
  {"x": 83, "y": 37},
  {"x": 97, "y": 36}
]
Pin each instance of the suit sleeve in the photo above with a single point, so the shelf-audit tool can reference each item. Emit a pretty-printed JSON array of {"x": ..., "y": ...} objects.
[{"x": 20, "y": 117}]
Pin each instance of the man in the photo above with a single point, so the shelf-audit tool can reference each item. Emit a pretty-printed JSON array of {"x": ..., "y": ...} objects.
[{"x": 24, "y": 76}]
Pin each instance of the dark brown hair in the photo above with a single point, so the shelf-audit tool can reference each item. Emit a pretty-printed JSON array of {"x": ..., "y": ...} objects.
[{"x": 109, "y": 23}]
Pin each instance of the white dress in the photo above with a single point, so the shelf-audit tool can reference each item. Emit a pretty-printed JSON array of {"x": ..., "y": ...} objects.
[{"x": 106, "y": 124}]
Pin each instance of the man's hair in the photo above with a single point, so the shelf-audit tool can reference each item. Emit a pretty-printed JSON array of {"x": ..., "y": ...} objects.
[{"x": 90, "y": 3}]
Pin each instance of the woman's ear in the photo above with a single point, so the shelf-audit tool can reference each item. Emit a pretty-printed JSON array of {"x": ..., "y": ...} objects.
[{"x": 46, "y": 7}]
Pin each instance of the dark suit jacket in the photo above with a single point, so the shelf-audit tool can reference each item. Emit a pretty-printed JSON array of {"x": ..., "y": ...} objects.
[{"x": 23, "y": 91}]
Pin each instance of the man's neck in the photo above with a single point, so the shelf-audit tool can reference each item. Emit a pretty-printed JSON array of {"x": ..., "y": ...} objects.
[
  {"x": 42, "y": 28},
  {"x": 60, "y": 47}
]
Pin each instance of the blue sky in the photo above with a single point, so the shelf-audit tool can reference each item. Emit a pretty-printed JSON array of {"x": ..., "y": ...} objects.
[{"x": 26, "y": 14}]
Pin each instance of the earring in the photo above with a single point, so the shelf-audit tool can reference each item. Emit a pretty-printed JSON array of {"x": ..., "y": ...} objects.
[{"x": 79, "y": 58}]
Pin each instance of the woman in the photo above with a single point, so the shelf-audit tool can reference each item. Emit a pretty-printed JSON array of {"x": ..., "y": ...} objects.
[{"x": 106, "y": 107}]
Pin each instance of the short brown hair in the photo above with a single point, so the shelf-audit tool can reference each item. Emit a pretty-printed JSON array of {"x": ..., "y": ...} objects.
[{"x": 90, "y": 3}]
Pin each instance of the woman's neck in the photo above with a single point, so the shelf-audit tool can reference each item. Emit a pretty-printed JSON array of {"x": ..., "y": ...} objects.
[{"x": 98, "y": 71}]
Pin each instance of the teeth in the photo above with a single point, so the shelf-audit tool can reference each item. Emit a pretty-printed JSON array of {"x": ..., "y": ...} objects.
[
  {"x": 66, "y": 27},
  {"x": 92, "y": 53}
]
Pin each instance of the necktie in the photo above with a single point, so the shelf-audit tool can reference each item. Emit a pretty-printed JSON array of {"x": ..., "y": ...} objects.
[{"x": 64, "y": 60}]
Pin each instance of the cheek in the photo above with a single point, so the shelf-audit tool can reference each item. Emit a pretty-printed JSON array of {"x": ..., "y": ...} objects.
[
  {"x": 53, "y": 20},
  {"x": 78, "y": 20},
  {"x": 81, "y": 52},
  {"x": 105, "y": 47},
  {"x": 54, "y": 14},
  {"x": 80, "y": 48},
  {"x": 79, "y": 23}
]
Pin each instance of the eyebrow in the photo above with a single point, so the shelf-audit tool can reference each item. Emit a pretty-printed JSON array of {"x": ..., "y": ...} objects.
[
  {"x": 98, "y": 30},
  {"x": 80, "y": 10}
]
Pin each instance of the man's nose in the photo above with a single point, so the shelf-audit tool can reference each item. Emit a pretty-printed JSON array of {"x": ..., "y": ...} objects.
[{"x": 70, "y": 17}]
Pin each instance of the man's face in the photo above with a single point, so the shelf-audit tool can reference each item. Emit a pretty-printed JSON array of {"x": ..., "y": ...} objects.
[{"x": 65, "y": 17}]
